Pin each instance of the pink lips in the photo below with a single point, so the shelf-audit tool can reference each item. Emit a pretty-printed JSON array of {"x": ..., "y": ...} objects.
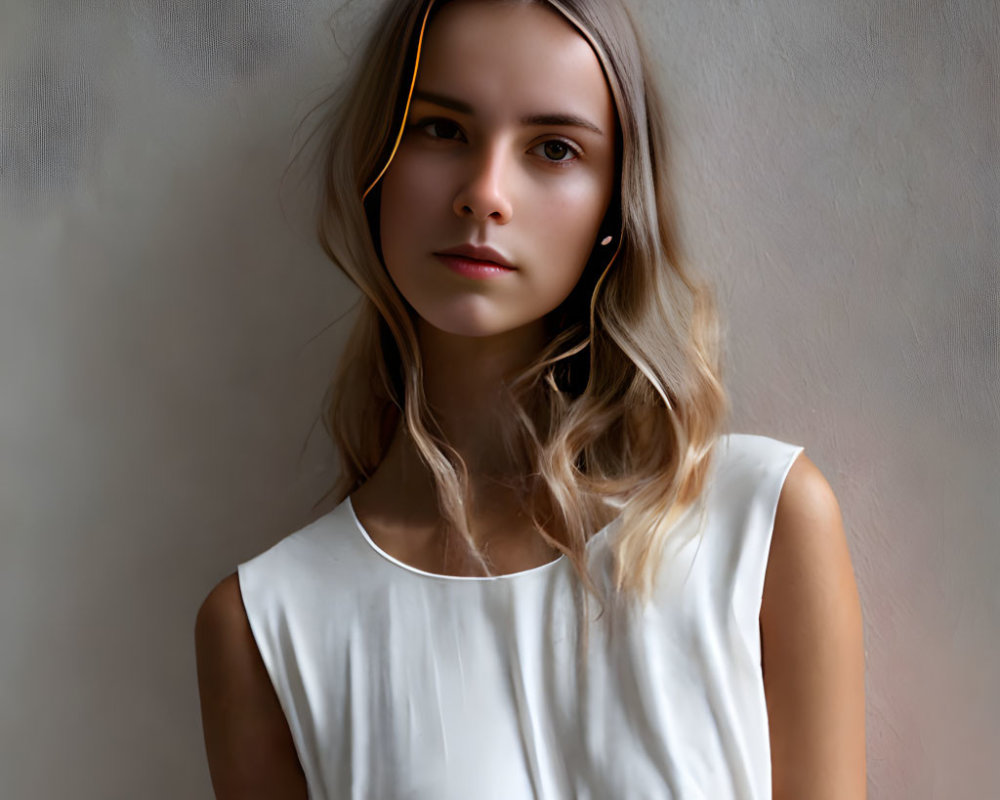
[{"x": 475, "y": 261}]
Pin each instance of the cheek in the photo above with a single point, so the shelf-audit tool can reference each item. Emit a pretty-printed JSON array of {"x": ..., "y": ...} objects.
[
  {"x": 400, "y": 198},
  {"x": 573, "y": 205},
  {"x": 410, "y": 229},
  {"x": 567, "y": 224}
]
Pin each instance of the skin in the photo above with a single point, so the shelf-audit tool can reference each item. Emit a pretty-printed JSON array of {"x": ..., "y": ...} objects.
[
  {"x": 483, "y": 175},
  {"x": 812, "y": 646}
]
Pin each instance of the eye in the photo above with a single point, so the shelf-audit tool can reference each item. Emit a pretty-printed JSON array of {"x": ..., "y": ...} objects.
[
  {"x": 558, "y": 151},
  {"x": 438, "y": 128}
]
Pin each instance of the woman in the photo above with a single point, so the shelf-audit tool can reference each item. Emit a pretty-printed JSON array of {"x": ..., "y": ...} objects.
[{"x": 528, "y": 413}]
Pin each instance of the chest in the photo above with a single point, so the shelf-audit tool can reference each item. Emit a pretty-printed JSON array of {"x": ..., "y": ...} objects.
[{"x": 485, "y": 696}]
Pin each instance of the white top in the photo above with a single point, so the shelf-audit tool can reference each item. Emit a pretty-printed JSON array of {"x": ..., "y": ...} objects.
[{"x": 400, "y": 683}]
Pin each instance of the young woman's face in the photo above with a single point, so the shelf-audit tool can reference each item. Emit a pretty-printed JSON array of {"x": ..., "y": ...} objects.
[{"x": 509, "y": 145}]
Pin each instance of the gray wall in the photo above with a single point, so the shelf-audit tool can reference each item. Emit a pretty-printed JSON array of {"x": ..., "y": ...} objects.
[{"x": 159, "y": 379}]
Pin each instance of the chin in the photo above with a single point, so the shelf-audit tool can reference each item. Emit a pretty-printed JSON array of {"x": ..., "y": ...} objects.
[
  {"x": 470, "y": 317},
  {"x": 470, "y": 328}
]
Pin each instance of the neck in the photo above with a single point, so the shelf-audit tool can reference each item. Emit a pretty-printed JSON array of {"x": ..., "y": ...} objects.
[{"x": 464, "y": 379}]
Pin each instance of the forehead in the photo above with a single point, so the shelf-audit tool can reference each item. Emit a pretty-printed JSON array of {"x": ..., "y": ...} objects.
[{"x": 522, "y": 55}]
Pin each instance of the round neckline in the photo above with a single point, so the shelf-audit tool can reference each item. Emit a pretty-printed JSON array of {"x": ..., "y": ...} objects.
[{"x": 409, "y": 568}]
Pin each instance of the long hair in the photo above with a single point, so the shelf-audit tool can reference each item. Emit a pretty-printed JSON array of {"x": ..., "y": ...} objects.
[{"x": 618, "y": 415}]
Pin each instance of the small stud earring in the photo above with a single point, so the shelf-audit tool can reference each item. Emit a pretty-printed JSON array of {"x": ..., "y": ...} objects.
[{"x": 606, "y": 241}]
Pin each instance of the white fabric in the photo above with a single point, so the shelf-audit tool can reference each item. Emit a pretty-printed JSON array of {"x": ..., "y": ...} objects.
[{"x": 399, "y": 683}]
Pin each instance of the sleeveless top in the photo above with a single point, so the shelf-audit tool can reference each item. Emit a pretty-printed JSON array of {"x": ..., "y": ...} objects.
[{"x": 400, "y": 683}]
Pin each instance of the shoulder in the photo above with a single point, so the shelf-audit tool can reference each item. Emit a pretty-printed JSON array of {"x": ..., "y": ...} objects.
[
  {"x": 223, "y": 639},
  {"x": 326, "y": 537},
  {"x": 809, "y": 554},
  {"x": 750, "y": 470},
  {"x": 319, "y": 555},
  {"x": 809, "y": 558},
  {"x": 807, "y": 498},
  {"x": 224, "y": 643},
  {"x": 222, "y": 609},
  {"x": 812, "y": 644},
  {"x": 754, "y": 448},
  {"x": 247, "y": 739}
]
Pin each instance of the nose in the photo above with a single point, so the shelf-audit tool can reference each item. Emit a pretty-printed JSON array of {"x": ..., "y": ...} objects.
[{"x": 483, "y": 193}]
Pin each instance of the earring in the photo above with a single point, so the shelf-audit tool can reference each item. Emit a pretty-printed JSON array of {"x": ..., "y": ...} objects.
[{"x": 606, "y": 241}]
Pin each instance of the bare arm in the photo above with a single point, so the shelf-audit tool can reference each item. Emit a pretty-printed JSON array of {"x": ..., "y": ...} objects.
[
  {"x": 251, "y": 755},
  {"x": 812, "y": 647}
]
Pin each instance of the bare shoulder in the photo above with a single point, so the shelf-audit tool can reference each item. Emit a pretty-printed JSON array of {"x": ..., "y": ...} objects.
[
  {"x": 221, "y": 612},
  {"x": 812, "y": 645},
  {"x": 224, "y": 642},
  {"x": 249, "y": 745}
]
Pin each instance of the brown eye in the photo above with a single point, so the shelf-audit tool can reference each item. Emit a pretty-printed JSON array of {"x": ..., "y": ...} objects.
[{"x": 557, "y": 150}]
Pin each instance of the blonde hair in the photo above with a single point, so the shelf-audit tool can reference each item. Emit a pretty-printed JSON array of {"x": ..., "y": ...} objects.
[{"x": 619, "y": 414}]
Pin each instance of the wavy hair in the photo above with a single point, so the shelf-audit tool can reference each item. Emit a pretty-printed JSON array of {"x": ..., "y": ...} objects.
[{"x": 617, "y": 417}]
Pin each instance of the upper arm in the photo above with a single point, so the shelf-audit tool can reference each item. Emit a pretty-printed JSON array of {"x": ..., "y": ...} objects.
[
  {"x": 812, "y": 647},
  {"x": 250, "y": 749}
]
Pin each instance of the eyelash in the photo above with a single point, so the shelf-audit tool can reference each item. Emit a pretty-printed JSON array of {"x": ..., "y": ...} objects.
[{"x": 570, "y": 148}]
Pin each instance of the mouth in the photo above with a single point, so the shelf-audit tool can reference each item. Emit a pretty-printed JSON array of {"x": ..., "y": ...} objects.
[{"x": 475, "y": 261}]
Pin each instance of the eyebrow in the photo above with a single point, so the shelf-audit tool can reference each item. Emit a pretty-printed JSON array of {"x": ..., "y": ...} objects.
[{"x": 532, "y": 119}]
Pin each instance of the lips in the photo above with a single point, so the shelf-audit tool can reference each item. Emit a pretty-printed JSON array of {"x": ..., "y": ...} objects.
[
  {"x": 475, "y": 261},
  {"x": 474, "y": 253}
]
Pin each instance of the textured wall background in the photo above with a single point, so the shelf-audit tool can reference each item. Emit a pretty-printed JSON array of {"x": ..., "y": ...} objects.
[{"x": 160, "y": 293}]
